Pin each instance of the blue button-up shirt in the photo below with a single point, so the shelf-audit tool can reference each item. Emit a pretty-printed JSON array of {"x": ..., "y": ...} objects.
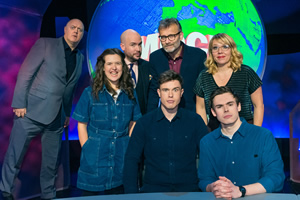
[
  {"x": 251, "y": 156},
  {"x": 170, "y": 149},
  {"x": 102, "y": 156}
]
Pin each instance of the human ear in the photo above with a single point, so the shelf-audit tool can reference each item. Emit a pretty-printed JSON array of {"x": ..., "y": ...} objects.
[
  {"x": 213, "y": 112},
  {"x": 158, "y": 92}
]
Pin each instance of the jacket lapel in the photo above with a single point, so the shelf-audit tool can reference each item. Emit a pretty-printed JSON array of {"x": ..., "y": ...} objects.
[{"x": 77, "y": 69}]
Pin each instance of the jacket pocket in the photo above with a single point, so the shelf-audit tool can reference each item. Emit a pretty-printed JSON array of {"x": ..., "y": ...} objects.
[
  {"x": 38, "y": 93},
  {"x": 90, "y": 156},
  {"x": 99, "y": 112}
]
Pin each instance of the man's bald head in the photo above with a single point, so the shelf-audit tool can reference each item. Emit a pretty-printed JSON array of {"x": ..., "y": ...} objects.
[
  {"x": 127, "y": 34},
  {"x": 77, "y": 21},
  {"x": 131, "y": 44},
  {"x": 73, "y": 32}
]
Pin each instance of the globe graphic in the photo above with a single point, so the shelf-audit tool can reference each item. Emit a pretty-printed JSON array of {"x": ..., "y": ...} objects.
[{"x": 200, "y": 20}]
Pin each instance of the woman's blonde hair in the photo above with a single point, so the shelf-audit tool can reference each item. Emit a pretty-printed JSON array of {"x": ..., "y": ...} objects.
[{"x": 236, "y": 58}]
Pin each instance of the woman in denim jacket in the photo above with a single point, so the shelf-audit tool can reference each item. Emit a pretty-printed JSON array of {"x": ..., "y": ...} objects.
[{"x": 106, "y": 114}]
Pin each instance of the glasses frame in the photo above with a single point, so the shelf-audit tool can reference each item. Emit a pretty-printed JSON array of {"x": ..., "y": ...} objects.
[
  {"x": 223, "y": 48},
  {"x": 170, "y": 37}
]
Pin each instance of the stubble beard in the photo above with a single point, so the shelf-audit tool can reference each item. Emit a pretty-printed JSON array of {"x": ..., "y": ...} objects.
[{"x": 174, "y": 48}]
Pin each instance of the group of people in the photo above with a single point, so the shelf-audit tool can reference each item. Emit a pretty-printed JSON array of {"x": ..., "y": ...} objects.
[{"x": 144, "y": 126}]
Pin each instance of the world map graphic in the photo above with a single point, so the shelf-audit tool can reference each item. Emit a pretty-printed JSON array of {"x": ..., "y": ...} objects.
[{"x": 200, "y": 20}]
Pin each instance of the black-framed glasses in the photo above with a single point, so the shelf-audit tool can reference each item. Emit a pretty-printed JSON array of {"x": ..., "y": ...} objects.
[
  {"x": 170, "y": 37},
  {"x": 225, "y": 47}
]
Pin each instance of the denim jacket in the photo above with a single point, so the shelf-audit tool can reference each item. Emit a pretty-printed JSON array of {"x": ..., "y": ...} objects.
[{"x": 102, "y": 156}]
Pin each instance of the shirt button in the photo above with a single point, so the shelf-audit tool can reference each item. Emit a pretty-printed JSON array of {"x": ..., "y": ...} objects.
[
  {"x": 115, "y": 117},
  {"x": 110, "y": 167},
  {"x": 114, "y": 130},
  {"x": 231, "y": 142},
  {"x": 233, "y": 162},
  {"x": 113, "y": 143},
  {"x": 234, "y": 183}
]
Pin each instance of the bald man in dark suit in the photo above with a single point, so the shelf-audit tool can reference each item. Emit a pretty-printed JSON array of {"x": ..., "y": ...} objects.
[{"x": 131, "y": 44}]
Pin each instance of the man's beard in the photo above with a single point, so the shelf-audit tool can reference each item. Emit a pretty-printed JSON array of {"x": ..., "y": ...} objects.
[{"x": 175, "y": 46}]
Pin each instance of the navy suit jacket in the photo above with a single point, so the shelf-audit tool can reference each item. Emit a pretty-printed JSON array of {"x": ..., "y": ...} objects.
[
  {"x": 41, "y": 86},
  {"x": 192, "y": 64},
  {"x": 142, "y": 86}
]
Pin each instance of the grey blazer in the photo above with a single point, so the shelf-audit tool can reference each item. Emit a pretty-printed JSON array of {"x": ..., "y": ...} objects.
[{"x": 41, "y": 86}]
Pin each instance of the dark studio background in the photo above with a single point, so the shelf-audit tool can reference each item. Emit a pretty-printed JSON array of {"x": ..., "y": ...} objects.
[{"x": 22, "y": 22}]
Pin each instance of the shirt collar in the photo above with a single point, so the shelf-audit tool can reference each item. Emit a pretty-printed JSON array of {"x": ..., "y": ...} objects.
[
  {"x": 105, "y": 89},
  {"x": 128, "y": 62},
  {"x": 160, "y": 115},
  {"x": 179, "y": 57},
  {"x": 242, "y": 130},
  {"x": 66, "y": 46}
]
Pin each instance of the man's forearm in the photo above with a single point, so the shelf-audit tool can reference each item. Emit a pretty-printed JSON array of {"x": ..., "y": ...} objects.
[{"x": 255, "y": 188}]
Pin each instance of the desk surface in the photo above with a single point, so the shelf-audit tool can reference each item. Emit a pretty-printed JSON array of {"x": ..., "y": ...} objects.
[{"x": 184, "y": 196}]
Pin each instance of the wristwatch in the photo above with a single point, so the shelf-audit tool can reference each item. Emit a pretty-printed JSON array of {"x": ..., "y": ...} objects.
[{"x": 243, "y": 190}]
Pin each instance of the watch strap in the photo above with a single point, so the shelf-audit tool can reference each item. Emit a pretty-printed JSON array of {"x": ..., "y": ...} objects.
[{"x": 243, "y": 190}]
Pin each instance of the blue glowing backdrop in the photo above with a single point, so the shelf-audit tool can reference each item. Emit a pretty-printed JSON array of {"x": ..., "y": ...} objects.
[{"x": 20, "y": 22}]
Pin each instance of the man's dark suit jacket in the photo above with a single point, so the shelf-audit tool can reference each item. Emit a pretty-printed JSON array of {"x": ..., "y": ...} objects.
[
  {"x": 41, "y": 86},
  {"x": 192, "y": 64},
  {"x": 142, "y": 86}
]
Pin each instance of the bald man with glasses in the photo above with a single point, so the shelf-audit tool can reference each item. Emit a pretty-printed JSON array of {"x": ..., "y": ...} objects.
[{"x": 175, "y": 55}]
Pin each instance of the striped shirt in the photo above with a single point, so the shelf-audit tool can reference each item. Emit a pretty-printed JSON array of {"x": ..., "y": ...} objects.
[{"x": 243, "y": 82}]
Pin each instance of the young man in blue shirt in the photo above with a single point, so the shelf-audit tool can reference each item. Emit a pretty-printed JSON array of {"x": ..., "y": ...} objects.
[
  {"x": 238, "y": 158},
  {"x": 169, "y": 139}
]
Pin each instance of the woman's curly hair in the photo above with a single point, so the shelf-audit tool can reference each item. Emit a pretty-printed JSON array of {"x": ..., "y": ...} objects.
[
  {"x": 100, "y": 79},
  {"x": 236, "y": 58}
]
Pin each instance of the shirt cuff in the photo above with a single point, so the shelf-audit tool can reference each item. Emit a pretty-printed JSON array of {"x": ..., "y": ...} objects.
[
  {"x": 79, "y": 118},
  {"x": 267, "y": 184},
  {"x": 203, "y": 184}
]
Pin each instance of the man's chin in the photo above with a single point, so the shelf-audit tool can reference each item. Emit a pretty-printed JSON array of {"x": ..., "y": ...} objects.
[
  {"x": 74, "y": 42},
  {"x": 172, "y": 108},
  {"x": 169, "y": 50},
  {"x": 134, "y": 59}
]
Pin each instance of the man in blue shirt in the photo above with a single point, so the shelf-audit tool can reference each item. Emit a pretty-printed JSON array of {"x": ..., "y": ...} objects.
[
  {"x": 238, "y": 158},
  {"x": 169, "y": 139}
]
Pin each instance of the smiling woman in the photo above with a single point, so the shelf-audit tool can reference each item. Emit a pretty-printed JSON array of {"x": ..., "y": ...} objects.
[
  {"x": 113, "y": 70},
  {"x": 225, "y": 68},
  {"x": 106, "y": 113}
]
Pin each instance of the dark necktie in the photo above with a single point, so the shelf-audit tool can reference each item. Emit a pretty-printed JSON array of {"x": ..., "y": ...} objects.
[{"x": 132, "y": 73}]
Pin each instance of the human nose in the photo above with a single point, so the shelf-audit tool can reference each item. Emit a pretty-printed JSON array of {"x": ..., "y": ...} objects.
[
  {"x": 138, "y": 48},
  {"x": 114, "y": 66},
  {"x": 170, "y": 93},
  {"x": 220, "y": 49},
  {"x": 167, "y": 40},
  {"x": 225, "y": 108}
]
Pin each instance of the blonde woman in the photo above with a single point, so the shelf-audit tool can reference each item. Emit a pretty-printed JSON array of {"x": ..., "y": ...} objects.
[{"x": 225, "y": 68}]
